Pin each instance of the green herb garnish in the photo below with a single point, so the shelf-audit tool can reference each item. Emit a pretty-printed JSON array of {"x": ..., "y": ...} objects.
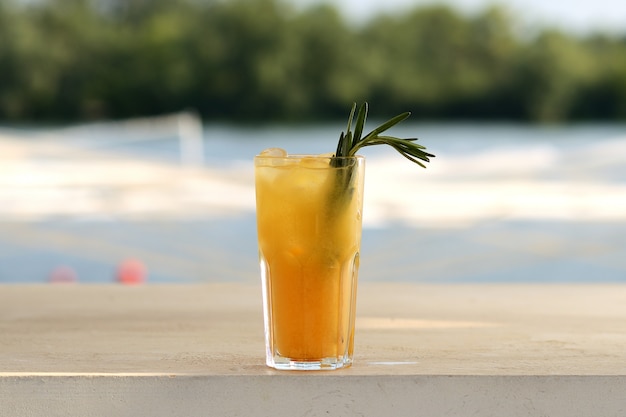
[{"x": 350, "y": 142}]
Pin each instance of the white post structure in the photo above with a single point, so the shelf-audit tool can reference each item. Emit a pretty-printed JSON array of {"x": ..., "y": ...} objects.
[{"x": 191, "y": 139}]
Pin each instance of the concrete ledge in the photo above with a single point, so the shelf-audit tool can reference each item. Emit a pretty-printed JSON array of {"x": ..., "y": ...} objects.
[
  {"x": 197, "y": 350},
  {"x": 297, "y": 395}
]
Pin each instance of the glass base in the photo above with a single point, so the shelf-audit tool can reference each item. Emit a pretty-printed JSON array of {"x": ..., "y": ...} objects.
[{"x": 325, "y": 364}]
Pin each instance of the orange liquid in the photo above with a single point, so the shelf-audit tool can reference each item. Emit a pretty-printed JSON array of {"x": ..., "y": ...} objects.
[{"x": 309, "y": 248}]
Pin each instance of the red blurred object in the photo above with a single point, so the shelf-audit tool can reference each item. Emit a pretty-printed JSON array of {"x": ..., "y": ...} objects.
[
  {"x": 63, "y": 275},
  {"x": 131, "y": 272}
]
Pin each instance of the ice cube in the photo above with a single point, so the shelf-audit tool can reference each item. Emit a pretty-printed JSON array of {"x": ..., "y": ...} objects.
[
  {"x": 274, "y": 152},
  {"x": 319, "y": 161}
]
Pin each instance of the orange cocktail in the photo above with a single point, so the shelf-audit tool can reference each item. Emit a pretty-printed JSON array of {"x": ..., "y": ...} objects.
[{"x": 309, "y": 233}]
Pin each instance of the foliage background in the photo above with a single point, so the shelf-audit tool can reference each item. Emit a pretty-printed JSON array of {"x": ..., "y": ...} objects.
[{"x": 250, "y": 60}]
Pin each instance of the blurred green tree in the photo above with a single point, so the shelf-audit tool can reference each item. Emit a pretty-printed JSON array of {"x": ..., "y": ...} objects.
[
  {"x": 551, "y": 69},
  {"x": 603, "y": 95},
  {"x": 265, "y": 60}
]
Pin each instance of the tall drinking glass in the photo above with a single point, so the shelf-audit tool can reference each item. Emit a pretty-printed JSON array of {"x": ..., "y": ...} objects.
[{"x": 309, "y": 235}]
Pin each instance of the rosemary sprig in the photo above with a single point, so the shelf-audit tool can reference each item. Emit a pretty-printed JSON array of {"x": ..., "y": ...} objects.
[{"x": 350, "y": 142}]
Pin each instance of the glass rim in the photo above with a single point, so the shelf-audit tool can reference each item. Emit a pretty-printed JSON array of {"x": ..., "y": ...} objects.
[{"x": 304, "y": 155}]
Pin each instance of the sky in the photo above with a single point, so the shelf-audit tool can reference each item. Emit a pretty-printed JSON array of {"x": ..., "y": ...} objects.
[{"x": 580, "y": 16}]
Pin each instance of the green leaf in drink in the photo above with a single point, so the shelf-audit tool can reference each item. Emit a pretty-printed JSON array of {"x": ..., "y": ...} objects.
[{"x": 352, "y": 140}]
